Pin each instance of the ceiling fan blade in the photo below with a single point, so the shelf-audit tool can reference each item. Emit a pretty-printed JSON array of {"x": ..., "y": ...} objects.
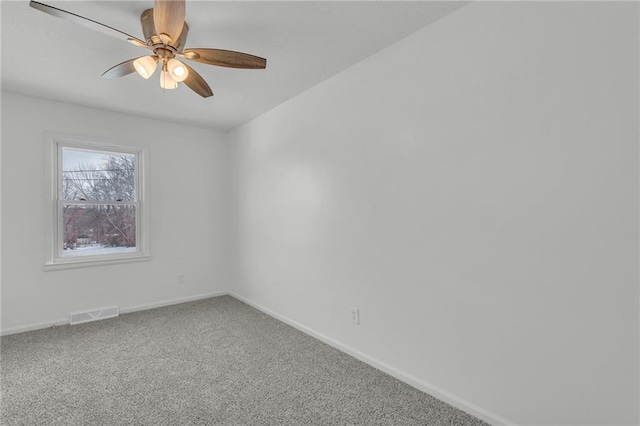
[
  {"x": 168, "y": 18},
  {"x": 120, "y": 70},
  {"x": 86, "y": 22},
  {"x": 197, "y": 83},
  {"x": 225, "y": 58}
]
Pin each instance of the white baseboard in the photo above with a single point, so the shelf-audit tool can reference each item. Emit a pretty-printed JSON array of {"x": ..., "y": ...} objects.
[
  {"x": 162, "y": 303},
  {"x": 125, "y": 310},
  {"x": 434, "y": 391},
  {"x": 32, "y": 327}
]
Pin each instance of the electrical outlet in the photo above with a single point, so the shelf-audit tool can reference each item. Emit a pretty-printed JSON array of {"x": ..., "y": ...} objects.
[
  {"x": 355, "y": 315},
  {"x": 180, "y": 278}
]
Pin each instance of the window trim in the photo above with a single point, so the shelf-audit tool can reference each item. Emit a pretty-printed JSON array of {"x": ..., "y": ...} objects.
[{"x": 54, "y": 143}]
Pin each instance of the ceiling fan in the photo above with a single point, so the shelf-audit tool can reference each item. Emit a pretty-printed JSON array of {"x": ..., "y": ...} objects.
[{"x": 165, "y": 34}]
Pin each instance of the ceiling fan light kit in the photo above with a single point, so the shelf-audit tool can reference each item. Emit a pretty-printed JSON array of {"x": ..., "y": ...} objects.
[
  {"x": 177, "y": 70},
  {"x": 165, "y": 32},
  {"x": 146, "y": 65},
  {"x": 166, "y": 82}
]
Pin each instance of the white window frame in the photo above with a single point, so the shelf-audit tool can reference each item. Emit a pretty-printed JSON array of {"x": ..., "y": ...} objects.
[{"x": 54, "y": 143}]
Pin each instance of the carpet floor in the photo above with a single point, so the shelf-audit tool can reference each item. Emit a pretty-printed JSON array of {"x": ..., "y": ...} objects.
[{"x": 211, "y": 362}]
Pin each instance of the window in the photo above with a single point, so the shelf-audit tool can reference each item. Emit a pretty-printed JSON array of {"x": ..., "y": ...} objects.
[{"x": 97, "y": 204}]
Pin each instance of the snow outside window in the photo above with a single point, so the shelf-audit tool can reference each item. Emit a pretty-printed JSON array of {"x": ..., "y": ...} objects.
[{"x": 98, "y": 204}]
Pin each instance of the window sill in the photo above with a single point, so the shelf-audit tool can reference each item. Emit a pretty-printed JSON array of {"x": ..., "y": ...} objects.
[{"x": 86, "y": 263}]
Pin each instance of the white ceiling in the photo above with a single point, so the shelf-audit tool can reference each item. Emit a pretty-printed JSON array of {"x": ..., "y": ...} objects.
[{"x": 304, "y": 43}]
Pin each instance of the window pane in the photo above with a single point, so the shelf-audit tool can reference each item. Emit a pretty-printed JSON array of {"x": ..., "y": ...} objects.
[
  {"x": 98, "y": 229},
  {"x": 98, "y": 176}
]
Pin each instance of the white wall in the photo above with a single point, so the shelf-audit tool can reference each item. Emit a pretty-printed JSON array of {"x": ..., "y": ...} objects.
[
  {"x": 473, "y": 189},
  {"x": 188, "y": 215}
]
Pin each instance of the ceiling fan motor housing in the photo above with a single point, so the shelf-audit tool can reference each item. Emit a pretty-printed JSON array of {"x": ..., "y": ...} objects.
[{"x": 155, "y": 41}]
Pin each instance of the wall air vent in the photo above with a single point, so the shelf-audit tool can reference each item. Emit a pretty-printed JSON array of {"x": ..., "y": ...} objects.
[{"x": 93, "y": 315}]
